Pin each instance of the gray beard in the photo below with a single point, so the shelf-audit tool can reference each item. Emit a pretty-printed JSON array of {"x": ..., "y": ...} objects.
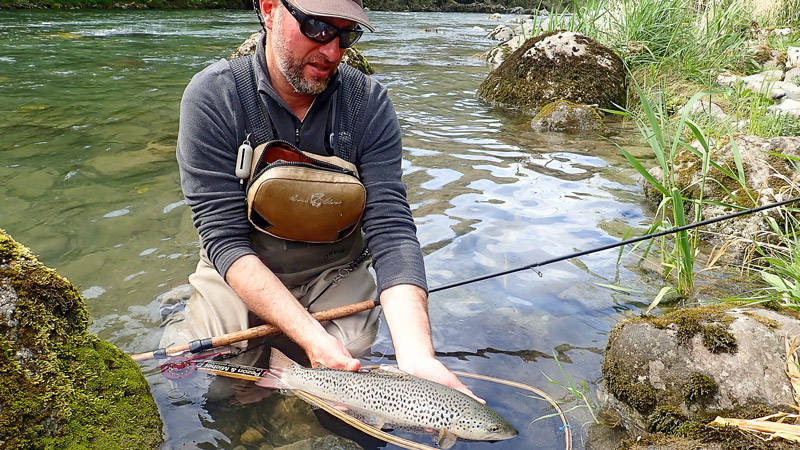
[{"x": 292, "y": 69}]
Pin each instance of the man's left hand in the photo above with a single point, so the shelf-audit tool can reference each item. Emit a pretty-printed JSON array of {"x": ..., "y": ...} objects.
[{"x": 433, "y": 369}]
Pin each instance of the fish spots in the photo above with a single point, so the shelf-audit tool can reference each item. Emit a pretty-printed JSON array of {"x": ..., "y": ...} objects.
[{"x": 397, "y": 400}]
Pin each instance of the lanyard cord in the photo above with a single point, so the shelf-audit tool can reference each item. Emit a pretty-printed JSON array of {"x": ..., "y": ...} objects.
[{"x": 614, "y": 245}]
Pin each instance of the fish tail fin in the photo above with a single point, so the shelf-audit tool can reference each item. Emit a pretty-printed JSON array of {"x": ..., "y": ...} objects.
[
  {"x": 270, "y": 381},
  {"x": 278, "y": 365}
]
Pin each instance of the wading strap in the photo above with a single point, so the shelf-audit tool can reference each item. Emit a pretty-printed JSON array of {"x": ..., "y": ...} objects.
[
  {"x": 351, "y": 101},
  {"x": 343, "y": 273},
  {"x": 258, "y": 124}
]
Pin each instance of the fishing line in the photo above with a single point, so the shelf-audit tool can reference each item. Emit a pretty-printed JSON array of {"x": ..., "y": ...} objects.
[{"x": 614, "y": 245}]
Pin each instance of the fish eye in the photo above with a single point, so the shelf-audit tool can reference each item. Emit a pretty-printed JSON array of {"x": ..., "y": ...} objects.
[{"x": 494, "y": 428}]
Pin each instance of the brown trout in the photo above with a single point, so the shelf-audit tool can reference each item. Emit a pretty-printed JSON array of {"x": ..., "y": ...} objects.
[{"x": 390, "y": 398}]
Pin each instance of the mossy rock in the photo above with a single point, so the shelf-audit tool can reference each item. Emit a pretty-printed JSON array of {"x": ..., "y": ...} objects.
[
  {"x": 666, "y": 383},
  {"x": 697, "y": 363},
  {"x": 352, "y": 56},
  {"x": 568, "y": 117},
  {"x": 59, "y": 385},
  {"x": 558, "y": 65}
]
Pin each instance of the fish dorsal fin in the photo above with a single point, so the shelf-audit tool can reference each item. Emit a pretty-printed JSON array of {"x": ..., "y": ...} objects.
[{"x": 446, "y": 439}]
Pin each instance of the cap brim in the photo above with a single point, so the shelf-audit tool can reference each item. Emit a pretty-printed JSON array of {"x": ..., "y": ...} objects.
[{"x": 341, "y": 9}]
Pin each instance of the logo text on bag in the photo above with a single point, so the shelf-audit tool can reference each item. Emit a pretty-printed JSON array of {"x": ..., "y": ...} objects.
[{"x": 317, "y": 199}]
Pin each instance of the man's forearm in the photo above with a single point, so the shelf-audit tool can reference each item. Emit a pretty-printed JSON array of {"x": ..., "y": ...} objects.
[
  {"x": 264, "y": 294},
  {"x": 406, "y": 309}
]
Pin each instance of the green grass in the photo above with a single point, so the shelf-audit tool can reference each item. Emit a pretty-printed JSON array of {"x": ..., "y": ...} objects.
[{"x": 577, "y": 393}]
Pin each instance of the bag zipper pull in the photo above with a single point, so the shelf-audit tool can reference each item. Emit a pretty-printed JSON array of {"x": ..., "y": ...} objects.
[{"x": 244, "y": 158}]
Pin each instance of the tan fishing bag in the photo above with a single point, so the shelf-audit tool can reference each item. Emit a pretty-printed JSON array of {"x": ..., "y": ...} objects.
[{"x": 301, "y": 196}]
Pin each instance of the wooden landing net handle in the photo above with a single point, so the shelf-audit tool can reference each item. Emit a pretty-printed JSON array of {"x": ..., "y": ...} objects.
[{"x": 250, "y": 333}]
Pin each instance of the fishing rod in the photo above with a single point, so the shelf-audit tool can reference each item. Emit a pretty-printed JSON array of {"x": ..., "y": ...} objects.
[
  {"x": 200, "y": 345},
  {"x": 615, "y": 245}
]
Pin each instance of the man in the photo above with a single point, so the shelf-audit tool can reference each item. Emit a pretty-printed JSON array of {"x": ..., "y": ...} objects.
[{"x": 245, "y": 276}]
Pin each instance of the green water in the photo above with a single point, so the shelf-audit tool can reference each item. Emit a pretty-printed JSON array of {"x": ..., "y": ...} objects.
[{"x": 89, "y": 117}]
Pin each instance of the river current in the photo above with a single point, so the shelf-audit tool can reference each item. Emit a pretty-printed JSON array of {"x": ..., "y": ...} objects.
[{"x": 88, "y": 180}]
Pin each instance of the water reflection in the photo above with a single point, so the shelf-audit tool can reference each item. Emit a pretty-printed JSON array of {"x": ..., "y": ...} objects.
[{"x": 89, "y": 115}]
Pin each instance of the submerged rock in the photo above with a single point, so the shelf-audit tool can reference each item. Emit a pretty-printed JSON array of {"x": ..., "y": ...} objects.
[
  {"x": 329, "y": 442},
  {"x": 564, "y": 116},
  {"x": 351, "y": 57},
  {"x": 59, "y": 385},
  {"x": 668, "y": 373},
  {"x": 559, "y": 65}
]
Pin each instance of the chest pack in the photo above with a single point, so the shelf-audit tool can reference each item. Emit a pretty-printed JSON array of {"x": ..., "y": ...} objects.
[{"x": 296, "y": 195}]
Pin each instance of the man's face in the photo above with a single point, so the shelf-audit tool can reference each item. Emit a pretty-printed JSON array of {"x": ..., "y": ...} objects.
[{"x": 307, "y": 65}]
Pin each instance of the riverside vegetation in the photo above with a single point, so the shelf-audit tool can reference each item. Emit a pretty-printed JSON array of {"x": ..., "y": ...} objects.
[
  {"x": 674, "y": 51},
  {"x": 713, "y": 158}
]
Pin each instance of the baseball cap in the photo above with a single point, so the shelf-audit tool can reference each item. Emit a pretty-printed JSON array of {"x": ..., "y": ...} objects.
[{"x": 342, "y": 9}]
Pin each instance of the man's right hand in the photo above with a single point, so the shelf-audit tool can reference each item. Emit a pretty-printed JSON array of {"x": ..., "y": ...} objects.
[
  {"x": 326, "y": 350},
  {"x": 267, "y": 297}
]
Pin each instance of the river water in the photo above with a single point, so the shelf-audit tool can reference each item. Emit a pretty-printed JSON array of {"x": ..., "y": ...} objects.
[{"x": 88, "y": 180}]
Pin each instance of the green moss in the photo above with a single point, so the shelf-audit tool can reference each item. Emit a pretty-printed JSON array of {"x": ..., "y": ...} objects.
[
  {"x": 699, "y": 388},
  {"x": 710, "y": 321},
  {"x": 767, "y": 322},
  {"x": 528, "y": 83},
  {"x": 59, "y": 385},
  {"x": 624, "y": 384},
  {"x": 728, "y": 437},
  {"x": 665, "y": 419}
]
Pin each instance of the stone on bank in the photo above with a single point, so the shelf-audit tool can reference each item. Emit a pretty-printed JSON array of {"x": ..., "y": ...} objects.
[
  {"x": 769, "y": 178},
  {"x": 61, "y": 386}
]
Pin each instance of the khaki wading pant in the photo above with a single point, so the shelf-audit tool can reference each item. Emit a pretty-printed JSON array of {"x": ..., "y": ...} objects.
[{"x": 214, "y": 309}]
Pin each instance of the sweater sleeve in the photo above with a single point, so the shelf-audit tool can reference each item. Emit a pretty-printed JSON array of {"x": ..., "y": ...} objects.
[
  {"x": 388, "y": 225},
  {"x": 210, "y": 116}
]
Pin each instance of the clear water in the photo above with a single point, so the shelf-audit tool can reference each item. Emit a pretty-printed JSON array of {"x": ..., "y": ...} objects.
[{"x": 89, "y": 117}]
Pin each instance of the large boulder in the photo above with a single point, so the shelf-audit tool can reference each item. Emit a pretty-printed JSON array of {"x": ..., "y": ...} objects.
[
  {"x": 352, "y": 56},
  {"x": 559, "y": 65},
  {"x": 59, "y": 385},
  {"x": 768, "y": 178},
  {"x": 674, "y": 373}
]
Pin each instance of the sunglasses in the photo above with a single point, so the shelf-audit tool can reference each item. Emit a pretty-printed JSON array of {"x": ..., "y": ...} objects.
[{"x": 320, "y": 31}]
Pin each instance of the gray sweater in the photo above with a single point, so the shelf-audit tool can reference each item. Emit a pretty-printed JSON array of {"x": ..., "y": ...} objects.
[{"x": 212, "y": 126}]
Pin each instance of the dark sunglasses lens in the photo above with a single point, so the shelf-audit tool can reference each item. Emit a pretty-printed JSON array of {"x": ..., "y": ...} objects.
[
  {"x": 347, "y": 38},
  {"x": 319, "y": 31}
]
